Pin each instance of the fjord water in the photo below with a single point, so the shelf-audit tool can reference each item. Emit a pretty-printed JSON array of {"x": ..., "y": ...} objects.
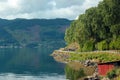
[{"x": 29, "y": 64}]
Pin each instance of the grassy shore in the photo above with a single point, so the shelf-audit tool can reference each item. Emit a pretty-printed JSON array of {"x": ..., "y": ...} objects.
[
  {"x": 95, "y": 56},
  {"x": 100, "y": 57},
  {"x": 76, "y": 60}
]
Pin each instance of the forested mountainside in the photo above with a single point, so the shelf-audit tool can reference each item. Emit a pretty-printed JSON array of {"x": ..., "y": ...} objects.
[
  {"x": 98, "y": 28},
  {"x": 32, "y": 32}
]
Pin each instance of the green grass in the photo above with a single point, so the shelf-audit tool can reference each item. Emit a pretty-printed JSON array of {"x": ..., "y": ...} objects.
[{"x": 101, "y": 56}]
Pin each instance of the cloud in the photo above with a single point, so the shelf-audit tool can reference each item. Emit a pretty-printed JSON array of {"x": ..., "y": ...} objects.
[
  {"x": 52, "y": 3},
  {"x": 13, "y": 3},
  {"x": 70, "y": 9}
]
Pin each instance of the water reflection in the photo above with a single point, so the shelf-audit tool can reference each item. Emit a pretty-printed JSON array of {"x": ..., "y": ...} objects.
[
  {"x": 11, "y": 76},
  {"x": 77, "y": 71},
  {"x": 31, "y": 62}
]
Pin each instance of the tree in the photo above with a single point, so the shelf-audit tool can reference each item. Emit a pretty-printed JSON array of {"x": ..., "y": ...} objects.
[{"x": 98, "y": 25}]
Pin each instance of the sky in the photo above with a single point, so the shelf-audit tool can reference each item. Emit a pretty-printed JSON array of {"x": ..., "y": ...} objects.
[{"x": 49, "y": 9}]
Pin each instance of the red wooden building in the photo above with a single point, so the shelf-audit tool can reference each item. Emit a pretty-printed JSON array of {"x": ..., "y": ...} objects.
[{"x": 104, "y": 68}]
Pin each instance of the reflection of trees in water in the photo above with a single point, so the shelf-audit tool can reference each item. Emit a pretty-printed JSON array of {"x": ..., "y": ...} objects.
[
  {"x": 74, "y": 74},
  {"x": 75, "y": 71}
]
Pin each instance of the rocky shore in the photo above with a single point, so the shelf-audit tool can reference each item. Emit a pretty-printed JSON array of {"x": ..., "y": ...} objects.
[
  {"x": 61, "y": 56},
  {"x": 89, "y": 68},
  {"x": 74, "y": 60}
]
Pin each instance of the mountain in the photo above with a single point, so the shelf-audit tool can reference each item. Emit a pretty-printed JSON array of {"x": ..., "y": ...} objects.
[{"x": 32, "y": 32}]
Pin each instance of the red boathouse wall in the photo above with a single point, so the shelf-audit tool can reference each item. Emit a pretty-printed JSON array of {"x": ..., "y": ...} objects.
[{"x": 103, "y": 69}]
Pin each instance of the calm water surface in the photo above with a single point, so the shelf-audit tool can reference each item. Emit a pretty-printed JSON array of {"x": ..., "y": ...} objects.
[{"x": 29, "y": 64}]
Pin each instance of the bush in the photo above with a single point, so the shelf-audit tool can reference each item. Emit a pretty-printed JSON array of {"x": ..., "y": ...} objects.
[
  {"x": 111, "y": 74},
  {"x": 88, "y": 46},
  {"x": 103, "y": 45},
  {"x": 115, "y": 44}
]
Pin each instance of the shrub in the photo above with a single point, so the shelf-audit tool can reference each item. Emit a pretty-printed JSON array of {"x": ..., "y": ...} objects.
[
  {"x": 111, "y": 74},
  {"x": 115, "y": 44},
  {"x": 88, "y": 46},
  {"x": 103, "y": 45}
]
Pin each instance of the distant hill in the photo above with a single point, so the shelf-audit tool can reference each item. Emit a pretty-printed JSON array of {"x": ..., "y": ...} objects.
[{"x": 32, "y": 32}]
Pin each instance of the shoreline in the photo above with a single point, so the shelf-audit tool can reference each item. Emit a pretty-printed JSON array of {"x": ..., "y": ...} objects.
[
  {"x": 87, "y": 59},
  {"x": 94, "y": 56}
]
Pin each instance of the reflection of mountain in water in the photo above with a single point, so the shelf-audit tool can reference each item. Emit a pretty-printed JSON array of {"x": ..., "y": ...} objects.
[{"x": 28, "y": 61}]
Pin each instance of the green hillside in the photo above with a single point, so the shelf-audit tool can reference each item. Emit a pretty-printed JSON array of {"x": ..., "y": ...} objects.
[
  {"x": 32, "y": 32},
  {"x": 98, "y": 28}
]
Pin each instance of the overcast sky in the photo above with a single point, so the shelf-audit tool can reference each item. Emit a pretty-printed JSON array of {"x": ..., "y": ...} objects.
[{"x": 70, "y": 9}]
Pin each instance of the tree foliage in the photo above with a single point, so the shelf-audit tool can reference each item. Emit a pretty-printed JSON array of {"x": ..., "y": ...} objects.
[{"x": 99, "y": 25}]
